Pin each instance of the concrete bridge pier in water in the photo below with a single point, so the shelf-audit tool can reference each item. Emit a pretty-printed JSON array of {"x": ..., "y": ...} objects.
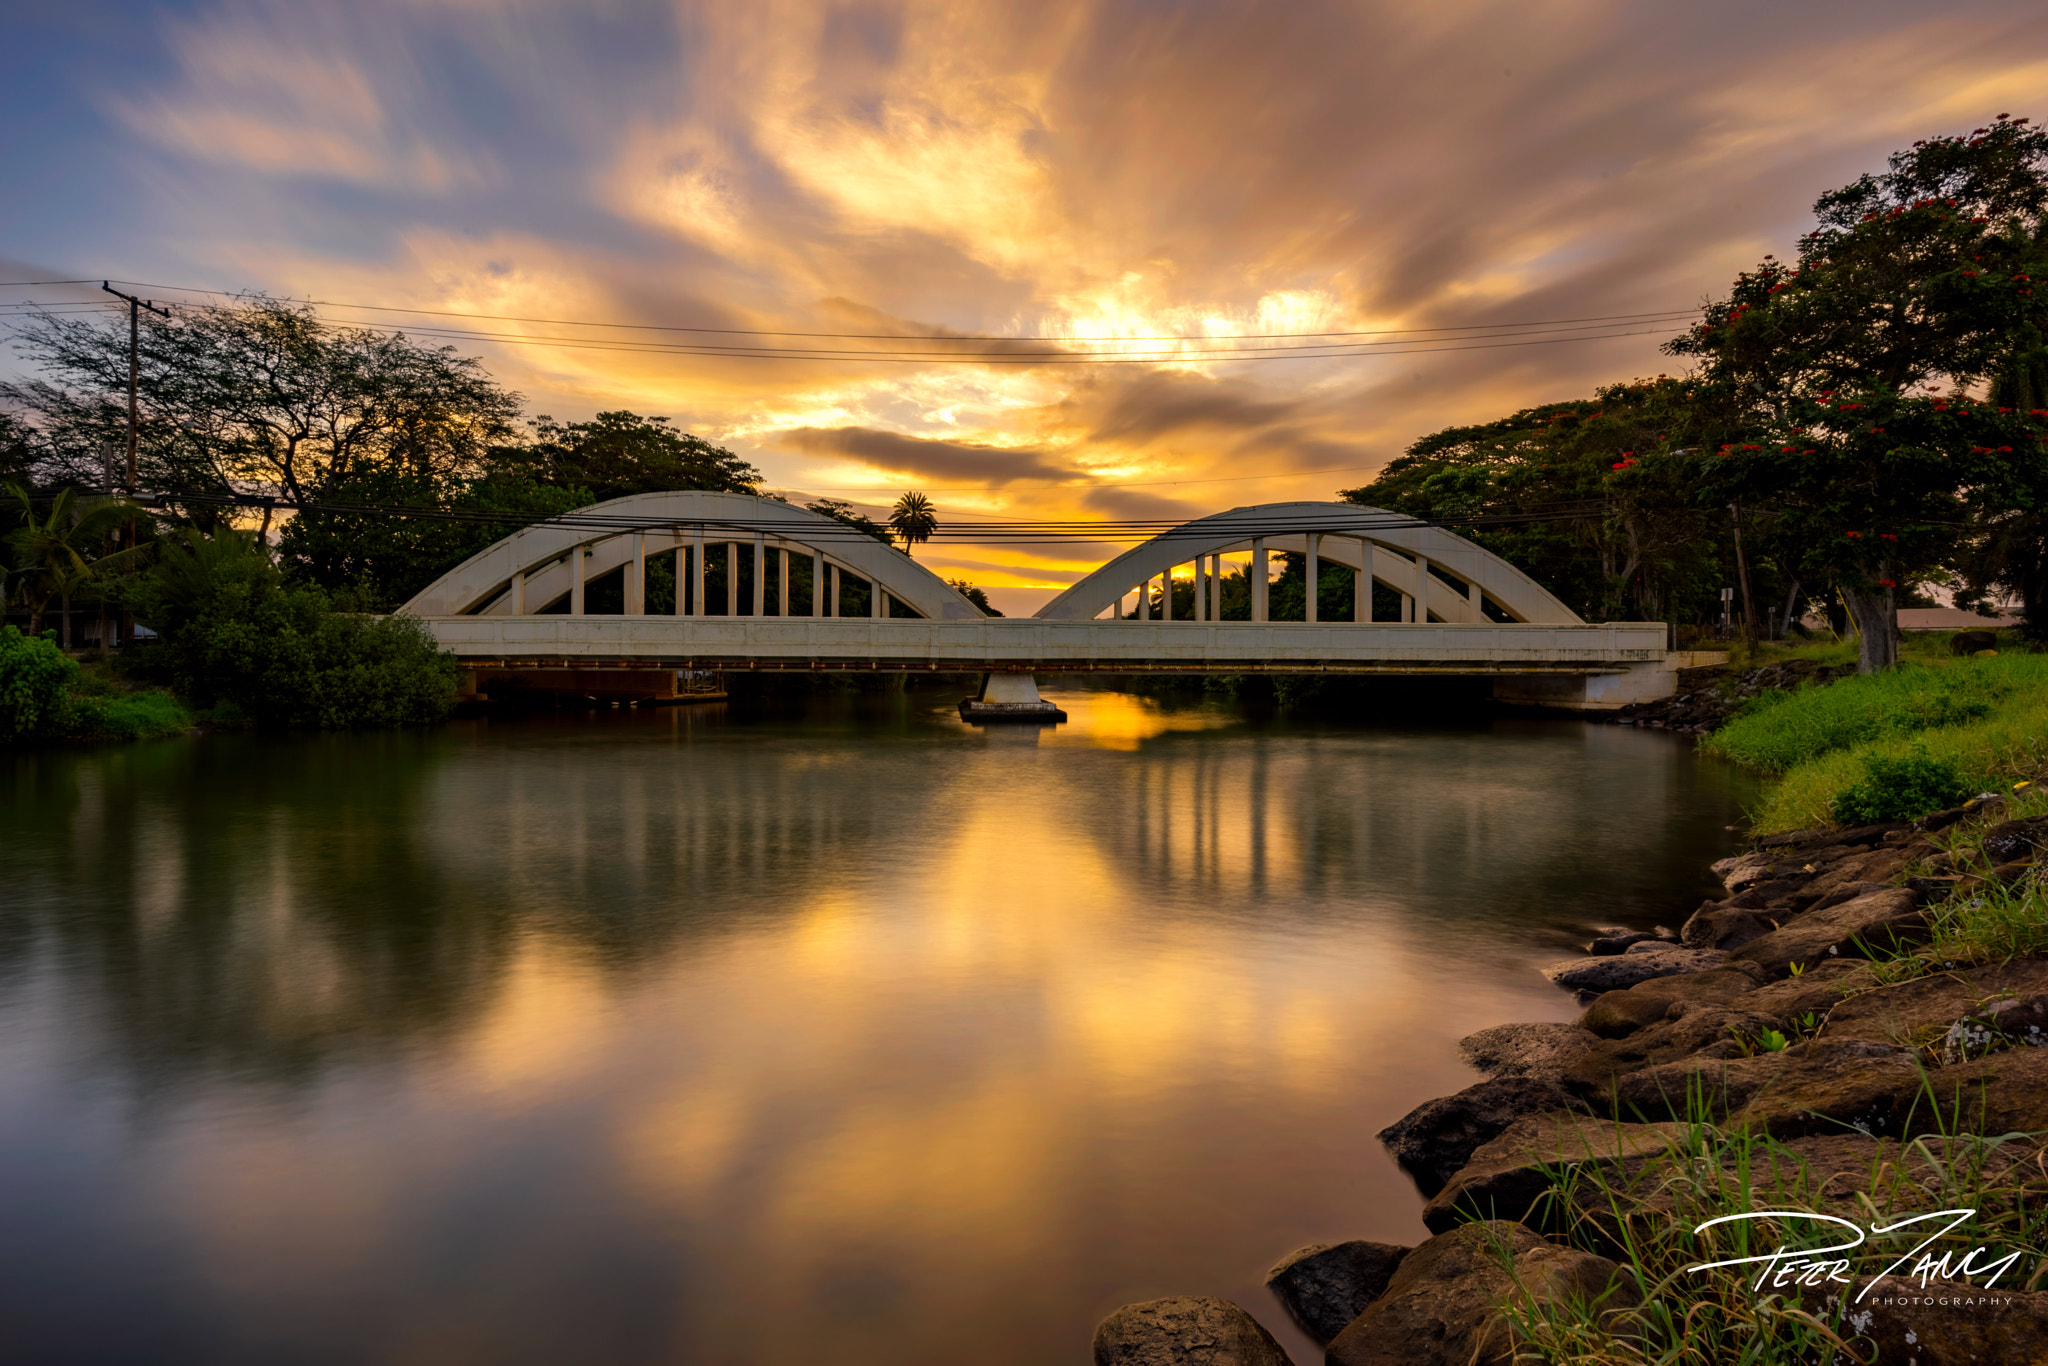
[{"x": 518, "y": 610}]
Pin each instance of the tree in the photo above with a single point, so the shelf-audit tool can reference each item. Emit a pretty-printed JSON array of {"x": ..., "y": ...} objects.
[
  {"x": 913, "y": 520},
  {"x": 234, "y": 631},
  {"x": 259, "y": 391},
  {"x": 1567, "y": 493},
  {"x": 841, "y": 511},
  {"x": 60, "y": 552},
  {"x": 621, "y": 453},
  {"x": 387, "y": 559},
  {"x": 974, "y": 595},
  {"x": 1849, "y": 384}
]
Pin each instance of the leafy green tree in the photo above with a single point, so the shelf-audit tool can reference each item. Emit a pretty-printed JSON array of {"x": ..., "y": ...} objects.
[
  {"x": 234, "y": 631},
  {"x": 1567, "y": 493},
  {"x": 387, "y": 559},
  {"x": 1823, "y": 374},
  {"x": 261, "y": 391},
  {"x": 913, "y": 520},
  {"x": 617, "y": 454},
  {"x": 974, "y": 595}
]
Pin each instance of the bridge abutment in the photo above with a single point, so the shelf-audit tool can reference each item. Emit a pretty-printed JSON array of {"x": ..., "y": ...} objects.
[{"x": 1648, "y": 681}]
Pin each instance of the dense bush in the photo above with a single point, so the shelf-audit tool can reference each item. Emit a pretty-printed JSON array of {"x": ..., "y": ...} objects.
[
  {"x": 233, "y": 631},
  {"x": 35, "y": 678},
  {"x": 1901, "y": 788}
]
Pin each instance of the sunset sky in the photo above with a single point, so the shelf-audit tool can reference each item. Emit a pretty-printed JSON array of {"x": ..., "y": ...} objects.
[{"x": 1030, "y": 168}]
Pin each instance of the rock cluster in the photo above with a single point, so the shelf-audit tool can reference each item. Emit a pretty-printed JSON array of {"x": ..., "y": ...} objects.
[
  {"x": 1768, "y": 1019},
  {"x": 1708, "y": 696}
]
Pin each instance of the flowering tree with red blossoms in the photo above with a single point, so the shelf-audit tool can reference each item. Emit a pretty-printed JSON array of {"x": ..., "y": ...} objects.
[{"x": 1880, "y": 398}]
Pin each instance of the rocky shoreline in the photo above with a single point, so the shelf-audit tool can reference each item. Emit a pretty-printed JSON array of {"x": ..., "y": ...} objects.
[{"x": 1771, "y": 1035}]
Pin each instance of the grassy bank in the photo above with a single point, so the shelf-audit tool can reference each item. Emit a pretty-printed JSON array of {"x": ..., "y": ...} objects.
[
  {"x": 49, "y": 697},
  {"x": 1983, "y": 721}
]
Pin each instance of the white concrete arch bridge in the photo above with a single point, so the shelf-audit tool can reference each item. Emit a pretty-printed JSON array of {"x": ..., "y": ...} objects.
[{"x": 520, "y": 605}]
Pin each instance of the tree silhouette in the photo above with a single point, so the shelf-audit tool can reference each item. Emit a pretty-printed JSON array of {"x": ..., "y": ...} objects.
[{"x": 913, "y": 520}]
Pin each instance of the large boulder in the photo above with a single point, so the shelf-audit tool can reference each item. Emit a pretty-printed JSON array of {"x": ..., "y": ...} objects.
[
  {"x": 1439, "y": 1136},
  {"x": 2002, "y": 1094},
  {"x": 1810, "y": 995},
  {"x": 1917, "y": 1013},
  {"x": 1443, "y": 1307},
  {"x": 1526, "y": 1050},
  {"x": 2013, "y": 841},
  {"x": 1954, "y": 1323},
  {"x": 1877, "y": 865},
  {"x": 1622, "y": 971},
  {"x": 1717, "y": 925},
  {"x": 1618, "y": 1013},
  {"x": 1508, "y": 1178},
  {"x": 1881, "y": 920},
  {"x": 1744, "y": 870},
  {"x": 1185, "y": 1330},
  {"x": 1823, "y": 1086},
  {"x": 1703, "y": 1030},
  {"x": 1324, "y": 1287}
]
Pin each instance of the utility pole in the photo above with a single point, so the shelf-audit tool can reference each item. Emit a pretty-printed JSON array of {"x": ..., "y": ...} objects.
[{"x": 135, "y": 307}]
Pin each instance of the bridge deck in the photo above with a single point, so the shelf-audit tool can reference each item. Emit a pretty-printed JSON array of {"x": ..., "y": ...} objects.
[{"x": 1048, "y": 646}]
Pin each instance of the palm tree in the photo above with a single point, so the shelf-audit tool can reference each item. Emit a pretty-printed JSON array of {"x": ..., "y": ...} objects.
[
  {"x": 913, "y": 519},
  {"x": 52, "y": 554}
]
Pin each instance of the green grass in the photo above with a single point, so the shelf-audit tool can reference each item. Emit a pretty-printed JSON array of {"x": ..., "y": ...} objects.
[
  {"x": 1986, "y": 717},
  {"x": 102, "y": 706},
  {"x": 1646, "y": 1220},
  {"x": 1780, "y": 730}
]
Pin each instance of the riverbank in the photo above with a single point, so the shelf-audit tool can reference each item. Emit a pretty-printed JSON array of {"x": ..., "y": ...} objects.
[
  {"x": 1847, "y": 1038},
  {"x": 1850, "y": 1033},
  {"x": 50, "y": 697}
]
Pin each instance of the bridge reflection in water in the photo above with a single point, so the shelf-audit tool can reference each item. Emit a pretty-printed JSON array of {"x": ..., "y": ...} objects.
[{"x": 702, "y": 1035}]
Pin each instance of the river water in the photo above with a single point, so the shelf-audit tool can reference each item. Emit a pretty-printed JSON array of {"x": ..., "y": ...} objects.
[{"x": 833, "y": 1032}]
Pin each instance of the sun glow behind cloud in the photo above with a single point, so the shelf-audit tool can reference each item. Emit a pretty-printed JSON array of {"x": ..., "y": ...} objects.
[{"x": 1104, "y": 172}]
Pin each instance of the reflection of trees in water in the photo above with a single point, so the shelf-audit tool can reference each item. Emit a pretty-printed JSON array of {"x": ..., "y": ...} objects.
[
  {"x": 1524, "y": 822},
  {"x": 250, "y": 905},
  {"x": 269, "y": 907}
]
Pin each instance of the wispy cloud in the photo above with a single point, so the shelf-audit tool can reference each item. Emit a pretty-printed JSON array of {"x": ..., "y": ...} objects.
[{"x": 1070, "y": 168}]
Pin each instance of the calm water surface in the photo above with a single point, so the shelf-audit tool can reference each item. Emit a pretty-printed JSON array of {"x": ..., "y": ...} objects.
[{"x": 844, "y": 1034}]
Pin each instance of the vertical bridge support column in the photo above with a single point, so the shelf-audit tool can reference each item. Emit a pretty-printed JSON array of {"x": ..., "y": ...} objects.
[
  {"x": 1258, "y": 578},
  {"x": 1009, "y": 697}
]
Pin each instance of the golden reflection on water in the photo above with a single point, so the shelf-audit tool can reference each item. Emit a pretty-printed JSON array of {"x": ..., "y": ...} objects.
[{"x": 906, "y": 1045}]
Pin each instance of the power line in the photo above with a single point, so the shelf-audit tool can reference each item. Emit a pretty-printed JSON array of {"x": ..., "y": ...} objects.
[
  {"x": 1424, "y": 346},
  {"x": 1135, "y": 529},
  {"x": 898, "y": 336}
]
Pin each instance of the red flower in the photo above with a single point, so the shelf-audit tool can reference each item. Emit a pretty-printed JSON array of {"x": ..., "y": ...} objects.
[
  {"x": 1853, "y": 535},
  {"x": 1886, "y": 583},
  {"x": 1877, "y": 431}
]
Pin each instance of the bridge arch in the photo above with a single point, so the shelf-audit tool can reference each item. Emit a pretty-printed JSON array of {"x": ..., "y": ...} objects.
[
  {"x": 538, "y": 565},
  {"x": 1453, "y": 577}
]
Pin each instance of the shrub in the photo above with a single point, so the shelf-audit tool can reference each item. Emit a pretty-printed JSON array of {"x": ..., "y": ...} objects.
[
  {"x": 35, "y": 677},
  {"x": 284, "y": 655},
  {"x": 1899, "y": 788}
]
